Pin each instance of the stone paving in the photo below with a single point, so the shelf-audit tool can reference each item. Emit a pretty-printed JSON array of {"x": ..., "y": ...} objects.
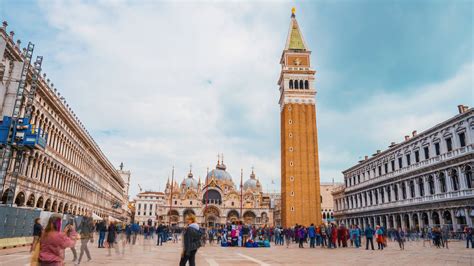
[{"x": 146, "y": 253}]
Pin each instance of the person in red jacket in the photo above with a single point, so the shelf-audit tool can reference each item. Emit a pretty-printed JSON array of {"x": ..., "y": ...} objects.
[{"x": 53, "y": 242}]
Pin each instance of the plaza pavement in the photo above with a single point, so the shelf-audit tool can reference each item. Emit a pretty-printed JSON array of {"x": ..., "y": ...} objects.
[{"x": 147, "y": 253}]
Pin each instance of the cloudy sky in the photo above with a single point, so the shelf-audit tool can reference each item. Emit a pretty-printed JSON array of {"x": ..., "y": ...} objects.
[{"x": 173, "y": 83}]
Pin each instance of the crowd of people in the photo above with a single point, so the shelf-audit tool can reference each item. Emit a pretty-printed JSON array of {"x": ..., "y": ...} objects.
[{"x": 50, "y": 242}]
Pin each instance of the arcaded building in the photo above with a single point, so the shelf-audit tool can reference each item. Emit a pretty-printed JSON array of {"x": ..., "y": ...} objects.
[
  {"x": 424, "y": 181},
  {"x": 300, "y": 191},
  {"x": 72, "y": 174},
  {"x": 215, "y": 200}
]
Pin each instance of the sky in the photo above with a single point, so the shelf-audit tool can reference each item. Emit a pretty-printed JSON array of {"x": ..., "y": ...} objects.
[{"x": 163, "y": 84}]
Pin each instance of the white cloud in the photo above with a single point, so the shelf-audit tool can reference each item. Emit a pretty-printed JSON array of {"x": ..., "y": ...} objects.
[{"x": 173, "y": 84}]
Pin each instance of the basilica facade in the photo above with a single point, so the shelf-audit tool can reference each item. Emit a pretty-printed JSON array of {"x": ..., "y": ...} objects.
[{"x": 215, "y": 200}]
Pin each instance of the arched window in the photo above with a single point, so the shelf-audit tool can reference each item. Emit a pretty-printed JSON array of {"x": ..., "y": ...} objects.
[
  {"x": 412, "y": 189},
  {"x": 404, "y": 191},
  {"x": 455, "y": 180},
  {"x": 296, "y": 84},
  {"x": 431, "y": 184},
  {"x": 442, "y": 183},
  {"x": 421, "y": 186},
  {"x": 468, "y": 173},
  {"x": 301, "y": 84},
  {"x": 291, "y": 84},
  {"x": 306, "y": 84}
]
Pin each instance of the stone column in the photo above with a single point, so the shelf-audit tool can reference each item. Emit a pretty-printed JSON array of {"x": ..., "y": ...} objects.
[
  {"x": 385, "y": 194},
  {"x": 426, "y": 185},
  {"x": 449, "y": 183},
  {"x": 437, "y": 185},
  {"x": 454, "y": 219},
  {"x": 417, "y": 188},
  {"x": 462, "y": 179},
  {"x": 468, "y": 217},
  {"x": 400, "y": 192},
  {"x": 430, "y": 219},
  {"x": 392, "y": 192},
  {"x": 408, "y": 191}
]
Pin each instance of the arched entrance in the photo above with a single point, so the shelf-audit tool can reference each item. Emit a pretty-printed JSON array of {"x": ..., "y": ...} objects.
[
  {"x": 54, "y": 207},
  {"x": 406, "y": 219},
  {"x": 232, "y": 216},
  {"x": 249, "y": 217},
  {"x": 390, "y": 221},
  {"x": 399, "y": 220},
  {"x": 47, "y": 205},
  {"x": 424, "y": 219},
  {"x": 31, "y": 200},
  {"x": 173, "y": 217},
  {"x": 264, "y": 219},
  {"x": 39, "y": 203},
  {"x": 436, "y": 220},
  {"x": 447, "y": 218},
  {"x": 20, "y": 199},
  {"x": 211, "y": 216},
  {"x": 415, "y": 220}
]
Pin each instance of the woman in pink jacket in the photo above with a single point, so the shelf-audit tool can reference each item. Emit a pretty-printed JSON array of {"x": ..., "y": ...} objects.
[{"x": 53, "y": 242}]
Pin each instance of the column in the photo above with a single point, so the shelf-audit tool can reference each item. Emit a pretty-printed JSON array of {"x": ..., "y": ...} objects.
[
  {"x": 420, "y": 221},
  {"x": 417, "y": 188},
  {"x": 449, "y": 184},
  {"x": 462, "y": 178},
  {"x": 454, "y": 219},
  {"x": 400, "y": 192},
  {"x": 385, "y": 194},
  {"x": 426, "y": 185},
  {"x": 468, "y": 217},
  {"x": 392, "y": 192},
  {"x": 437, "y": 186},
  {"x": 408, "y": 191}
]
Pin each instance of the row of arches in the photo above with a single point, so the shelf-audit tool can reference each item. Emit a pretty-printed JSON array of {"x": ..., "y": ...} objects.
[
  {"x": 455, "y": 219},
  {"x": 48, "y": 204},
  {"x": 299, "y": 84}
]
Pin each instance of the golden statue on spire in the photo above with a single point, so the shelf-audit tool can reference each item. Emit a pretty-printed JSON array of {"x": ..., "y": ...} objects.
[{"x": 293, "y": 11}]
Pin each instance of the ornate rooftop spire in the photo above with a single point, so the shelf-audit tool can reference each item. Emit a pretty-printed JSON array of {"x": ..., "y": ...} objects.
[{"x": 295, "y": 39}]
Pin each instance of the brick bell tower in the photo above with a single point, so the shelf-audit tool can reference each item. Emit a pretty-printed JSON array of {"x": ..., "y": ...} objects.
[{"x": 301, "y": 200}]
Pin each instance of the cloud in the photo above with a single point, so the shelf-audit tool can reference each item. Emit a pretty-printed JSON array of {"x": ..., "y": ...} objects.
[{"x": 163, "y": 84}]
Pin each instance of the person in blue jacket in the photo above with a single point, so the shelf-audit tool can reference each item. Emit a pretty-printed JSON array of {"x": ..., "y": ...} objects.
[
  {"x": 312, "y": 235},
  {"x": 369, "y": 237}
]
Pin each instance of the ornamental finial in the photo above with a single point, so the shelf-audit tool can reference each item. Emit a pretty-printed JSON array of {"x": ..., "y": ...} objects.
[{"x": 293, "y": 11}]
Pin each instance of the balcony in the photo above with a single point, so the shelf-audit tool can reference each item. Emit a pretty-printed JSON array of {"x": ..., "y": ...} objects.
[
  {"x": 425, "y": 163},
  {"x": 468, "y": 193}
]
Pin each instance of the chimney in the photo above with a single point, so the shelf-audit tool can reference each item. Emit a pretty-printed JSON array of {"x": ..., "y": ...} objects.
[
  {"x": 12, "y": 33},
  {"x": 392, "y": 144},
  {"x": 461, "y": 109},
  {"x": 378, "y": 151},
  {"x": 5, "y": 25},
  {"x": 413, "y": 133},
  {"x": 407, "y": 137},
  {"x": 366, "y": 157},
  {"x": 465, "y": 108}
]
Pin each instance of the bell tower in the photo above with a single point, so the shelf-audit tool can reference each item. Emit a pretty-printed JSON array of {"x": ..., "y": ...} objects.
[{"x": 301, "y": 200}]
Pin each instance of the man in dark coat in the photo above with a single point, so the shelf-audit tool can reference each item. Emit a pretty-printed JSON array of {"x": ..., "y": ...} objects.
[{"x": 191, "y": 242}]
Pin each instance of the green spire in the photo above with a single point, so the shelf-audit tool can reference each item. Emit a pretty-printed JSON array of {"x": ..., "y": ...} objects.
[{"x": 296, "y": 42}]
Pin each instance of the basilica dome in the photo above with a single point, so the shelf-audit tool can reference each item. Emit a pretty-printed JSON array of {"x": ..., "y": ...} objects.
[
  {"x": 190, "y": 182},
  {"x": 219, "y": 173},
  {"x": 251, "y": 183}
]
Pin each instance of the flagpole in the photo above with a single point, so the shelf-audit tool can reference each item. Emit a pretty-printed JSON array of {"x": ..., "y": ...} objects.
[
  {"x": 241, "y": 192},
  {"x": 171, "y": 196}
]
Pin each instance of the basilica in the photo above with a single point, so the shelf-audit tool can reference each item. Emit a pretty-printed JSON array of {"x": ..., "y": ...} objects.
[{"x": 215, "y": 200}]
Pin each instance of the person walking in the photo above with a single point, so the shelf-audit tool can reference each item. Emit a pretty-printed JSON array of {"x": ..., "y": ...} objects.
[
  {"x": 111, "y": 238},
  {"x": 135, "y": 231},
  {"x": 369, "y": 237},
  {"x": 86, "y": 229},
  {"x": 68, "y": 232},
  {"x": 468, "y": 231},
  {"x": 312, "y": 235},
  {"x": 37, "y": 230},
  {"x": 191, "y": 241},
  {"x": 445, "y": 236},
  {"x": 288, "y": 236},
  {"x": 400, "y": 238},
  {"x": 301, "y": 236},
  {"x": 102, "y": 228},
  {"x": 379, "y": 236},
  {"x": 53, "y": 242}
]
